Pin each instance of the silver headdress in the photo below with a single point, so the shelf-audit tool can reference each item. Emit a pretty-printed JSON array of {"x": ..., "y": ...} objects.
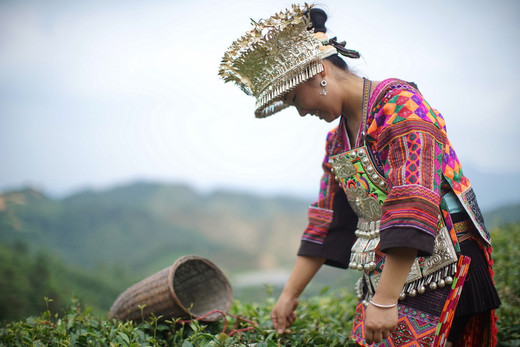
[{"x": 274, "y": 57}]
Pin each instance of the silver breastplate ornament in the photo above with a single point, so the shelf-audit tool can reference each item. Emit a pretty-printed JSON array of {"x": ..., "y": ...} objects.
[{"x": 366, "y": 190}]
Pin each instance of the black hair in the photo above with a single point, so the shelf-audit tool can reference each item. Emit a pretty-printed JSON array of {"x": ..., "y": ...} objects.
[{"x": 318, "y": 19}]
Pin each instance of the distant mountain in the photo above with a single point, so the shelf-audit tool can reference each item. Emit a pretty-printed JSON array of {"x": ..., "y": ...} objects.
[
  {"x": 503, "y": 215},
  {"x": 146, "y": 226},
  {"x": 494, "y": 190},
  {"x": 96, "y": 243}
]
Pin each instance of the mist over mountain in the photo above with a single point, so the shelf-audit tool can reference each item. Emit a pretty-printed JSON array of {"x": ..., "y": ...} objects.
[
  {"x": 96, "y": 243},
  {"x": 145, "y": 225},
  {"x": 494, "y": 190}
]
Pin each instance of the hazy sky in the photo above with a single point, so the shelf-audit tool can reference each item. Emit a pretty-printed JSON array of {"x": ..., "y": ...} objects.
[{"x": 96, "y": 93}]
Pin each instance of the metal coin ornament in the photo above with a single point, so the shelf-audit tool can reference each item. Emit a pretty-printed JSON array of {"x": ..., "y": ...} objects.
[
  {"x": 323, "y": 84},
  {"x": 366, "y": 190}
]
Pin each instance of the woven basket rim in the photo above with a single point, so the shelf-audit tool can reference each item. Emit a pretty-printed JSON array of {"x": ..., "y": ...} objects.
[{"x": 186, "y": 258}]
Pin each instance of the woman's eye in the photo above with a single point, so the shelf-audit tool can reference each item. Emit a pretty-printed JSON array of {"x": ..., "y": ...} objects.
[{"x": 290, "y": 99}]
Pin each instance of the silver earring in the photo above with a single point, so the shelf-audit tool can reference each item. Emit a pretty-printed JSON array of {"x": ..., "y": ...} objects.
[{"x": 323, "y": 83}]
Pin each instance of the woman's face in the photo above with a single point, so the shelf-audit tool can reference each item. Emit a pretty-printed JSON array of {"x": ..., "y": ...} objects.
[{"x": 307, "y": 99}]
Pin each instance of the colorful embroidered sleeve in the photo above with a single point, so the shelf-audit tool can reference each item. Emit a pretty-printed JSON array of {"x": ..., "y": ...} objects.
[
  {"x": 410, "y": 137},
  {"x": 330, "y": 232}
]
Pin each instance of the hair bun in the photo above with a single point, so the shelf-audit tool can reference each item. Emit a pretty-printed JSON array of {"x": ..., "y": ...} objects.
[{"x": 318, "y": 19}]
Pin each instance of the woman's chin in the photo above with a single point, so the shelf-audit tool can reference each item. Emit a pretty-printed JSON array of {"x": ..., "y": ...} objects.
[{"x": 329, "y": 118}]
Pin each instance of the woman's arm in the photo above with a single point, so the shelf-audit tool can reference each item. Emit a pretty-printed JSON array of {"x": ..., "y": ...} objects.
[
  {"x": 380, "y": 322},
  {"x": 410, "y": 141},
  {"x": 304, "y": 270}
]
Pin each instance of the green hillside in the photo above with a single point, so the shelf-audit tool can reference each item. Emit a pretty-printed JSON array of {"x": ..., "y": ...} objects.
[
  {"x": 145, "y": 226},
  {"x": 26, "y": 278},
  {"x": 94, "y": 244},
  {"x": 322, "y": 320},
  {"x": 503, "y": 215}
]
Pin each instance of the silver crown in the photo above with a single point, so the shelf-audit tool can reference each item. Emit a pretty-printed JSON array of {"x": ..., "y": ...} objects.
[{"x": 274, "y": 57}]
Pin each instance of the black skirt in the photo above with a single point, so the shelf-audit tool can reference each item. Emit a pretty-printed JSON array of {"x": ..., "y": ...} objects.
[{"x": 478, "y": 293}]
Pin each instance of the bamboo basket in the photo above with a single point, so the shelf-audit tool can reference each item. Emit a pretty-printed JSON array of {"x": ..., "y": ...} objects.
[{"x": 191, "y": 288}]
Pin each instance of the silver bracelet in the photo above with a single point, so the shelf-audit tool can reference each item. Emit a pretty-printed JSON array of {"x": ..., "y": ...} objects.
[{"x": 383, "y": 306}]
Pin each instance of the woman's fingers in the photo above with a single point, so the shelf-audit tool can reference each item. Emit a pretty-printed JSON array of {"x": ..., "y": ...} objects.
[
  {"x": 369, "y": 336},
  {"x": 283, "y": 314},
  {"x": 279, "y": 323},
  {"x": 376, "y": 336},
  {"x": 385, "y": 335},
  {"x": 373, "y": 337}
]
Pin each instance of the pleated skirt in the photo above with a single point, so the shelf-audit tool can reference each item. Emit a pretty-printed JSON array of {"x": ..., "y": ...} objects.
[{"x": 478, "y": 293}]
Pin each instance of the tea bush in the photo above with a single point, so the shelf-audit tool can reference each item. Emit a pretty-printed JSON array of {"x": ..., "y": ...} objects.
[{"x": 323, "y": 320}]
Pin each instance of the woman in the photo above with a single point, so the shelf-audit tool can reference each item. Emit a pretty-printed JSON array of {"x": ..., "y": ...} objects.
[{"x": 394, "y": 203}]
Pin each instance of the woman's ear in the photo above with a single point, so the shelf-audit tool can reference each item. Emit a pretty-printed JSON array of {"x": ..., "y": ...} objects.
[{"x": 324, "y": 72}]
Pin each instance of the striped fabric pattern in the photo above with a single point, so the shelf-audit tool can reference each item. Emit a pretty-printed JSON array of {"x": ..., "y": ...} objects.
[
  {"x": 320, "y": 213},
  {"x": 319, "y": 222},
  {"x": 448, "y": 313},
  {"x": 411, "y": 206},
  {"x": 410, "y": 138}
]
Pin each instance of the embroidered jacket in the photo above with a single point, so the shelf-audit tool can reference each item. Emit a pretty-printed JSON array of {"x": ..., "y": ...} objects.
[
  {"x": 408, "y": 138},
  {"x": 409, "y": 144}
]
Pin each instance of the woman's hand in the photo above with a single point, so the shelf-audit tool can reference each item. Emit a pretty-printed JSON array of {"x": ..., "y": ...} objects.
[
  {"x": 283, "y": 314},
  {"x": 379, "y": 323},
  {"x": 304, "y": 270}
]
